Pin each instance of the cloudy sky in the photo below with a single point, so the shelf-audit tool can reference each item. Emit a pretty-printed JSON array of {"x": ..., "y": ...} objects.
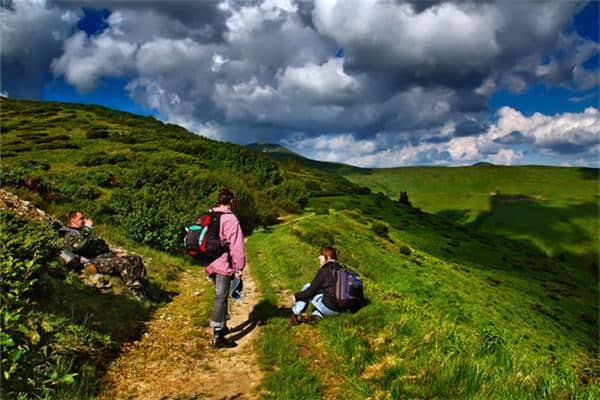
[{"x": 365, "y": 82}]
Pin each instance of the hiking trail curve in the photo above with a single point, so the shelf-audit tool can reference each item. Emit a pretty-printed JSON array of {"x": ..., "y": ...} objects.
[{"x": 173, "y": 358}]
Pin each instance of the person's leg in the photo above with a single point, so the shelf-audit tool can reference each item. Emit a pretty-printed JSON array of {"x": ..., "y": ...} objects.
[
  {"x": 222, "y": 283},
  {"x": 298, "y": 308},
  {"x": 133, "y": 274},
  {"x": 218, "y": 319},
  {"x": 321, "y": 309}
]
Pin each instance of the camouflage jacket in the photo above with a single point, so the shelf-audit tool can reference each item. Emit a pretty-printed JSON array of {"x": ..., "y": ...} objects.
[{"x": 83, "y": 242}]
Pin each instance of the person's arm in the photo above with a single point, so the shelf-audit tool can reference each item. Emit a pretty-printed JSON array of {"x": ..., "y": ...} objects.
[
  {"x": 315, "y": 286},
  {"x": 75, "y": 241},
  {"x": 235, "y": 238}
]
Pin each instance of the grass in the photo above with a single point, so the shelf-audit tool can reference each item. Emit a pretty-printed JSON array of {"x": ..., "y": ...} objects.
[
  {"x": 504, "y": 305},
  {"x": 554, "y": 208},
  {"x": 457, "y": 324}
]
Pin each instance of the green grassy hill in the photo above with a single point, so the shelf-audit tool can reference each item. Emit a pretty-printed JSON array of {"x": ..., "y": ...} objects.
[
  {"x": 555, "y": 208},
  {"x": 453, "y": 312},
  {"x": 123, "y": 167}
]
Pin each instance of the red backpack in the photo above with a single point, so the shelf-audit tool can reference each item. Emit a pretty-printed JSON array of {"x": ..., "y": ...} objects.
[{"x": 203, "y": 240}]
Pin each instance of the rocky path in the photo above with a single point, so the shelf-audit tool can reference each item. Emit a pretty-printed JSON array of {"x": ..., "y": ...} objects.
[{"x": 174, "y": 360}]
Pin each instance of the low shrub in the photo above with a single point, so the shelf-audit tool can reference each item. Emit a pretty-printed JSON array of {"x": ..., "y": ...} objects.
[
  {"x": 404, "y": 249},
  {"x": 317, "y": 237},
  {"x": 27, "y": 248},
  {"x": 97, "y": 132},
  {"x": 380, "y": 229},
  {"x": 102, "y": 157}
]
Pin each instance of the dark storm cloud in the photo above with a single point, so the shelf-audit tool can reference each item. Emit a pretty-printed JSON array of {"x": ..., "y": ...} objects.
[
  {"x": 203, "y": 19},
  {"x": 470, "y": 128},
  {"x": 568, "y": 148},
  {"x": 32, "y": 34},
  {"x": 415, "y": 74},
  {"x": 515, "y": 137}
]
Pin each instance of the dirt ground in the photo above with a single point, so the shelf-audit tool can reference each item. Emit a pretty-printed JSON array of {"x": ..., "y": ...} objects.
[{"x": 173, "y": 358}]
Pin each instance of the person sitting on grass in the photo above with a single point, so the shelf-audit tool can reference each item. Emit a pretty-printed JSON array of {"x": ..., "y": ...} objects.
[
  {"x": 321, "y": 292},
  {"x": 84, "y": 248}
]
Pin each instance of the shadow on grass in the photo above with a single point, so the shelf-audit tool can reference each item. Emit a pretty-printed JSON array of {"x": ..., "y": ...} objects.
[
  {"x": 457, "y": 216},
  {"x": 512, "y": 216},
  {"x": 260, "y": 314},
  {"x": 522, "y": 215},
  {"x": 589, "y": 173},
  {"x": 118, "y": 315}
]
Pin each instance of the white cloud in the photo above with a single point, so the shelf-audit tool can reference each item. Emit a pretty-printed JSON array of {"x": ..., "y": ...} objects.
[
  {"x": 567, "y": 130},
  {"x": 86, "y": 60},
  {"x": 217, "y": 62},
  {"x": 506, "y": 157},
  {"x": 550, "y": 135},
  {"x": 324, "y": 81},
  {"x": 244, "y": 21},
  {"x": 401, "y": 37},
  {"x": 171, "y": 56},
  {"x": 413, "y": 75}
]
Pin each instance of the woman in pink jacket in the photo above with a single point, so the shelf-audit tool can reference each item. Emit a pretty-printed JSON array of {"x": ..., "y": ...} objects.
[{"x": 223, "y": 269}]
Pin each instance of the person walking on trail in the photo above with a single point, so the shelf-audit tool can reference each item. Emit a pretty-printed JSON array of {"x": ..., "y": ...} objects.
[
  {"x": 321, "y": 292},
  {"x": 227, "y": 266},
  {"x": 84, "y": 247}
]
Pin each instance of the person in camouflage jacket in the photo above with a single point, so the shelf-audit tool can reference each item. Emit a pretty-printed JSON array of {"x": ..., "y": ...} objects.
[{"x": 81, "y": 241}]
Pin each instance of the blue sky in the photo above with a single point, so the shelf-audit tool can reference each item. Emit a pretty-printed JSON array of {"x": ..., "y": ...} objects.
[{"x": 435, "y": 83}]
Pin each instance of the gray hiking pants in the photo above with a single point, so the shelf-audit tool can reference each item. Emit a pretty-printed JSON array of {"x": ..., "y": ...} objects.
[{"x": 221, "y": 283}]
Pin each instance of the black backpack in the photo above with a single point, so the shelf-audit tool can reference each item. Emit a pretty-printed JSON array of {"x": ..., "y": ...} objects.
[
  {"x": 348, "y": 289},
  {"x": 203, "y": 240}
]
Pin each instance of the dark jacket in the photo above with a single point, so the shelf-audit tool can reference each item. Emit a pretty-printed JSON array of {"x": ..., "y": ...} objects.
[
  {"x": 323, "y": 282},
  {"x": 83, "y": 242}
]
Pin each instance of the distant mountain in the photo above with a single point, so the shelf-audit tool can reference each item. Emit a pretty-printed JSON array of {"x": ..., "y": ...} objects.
[
  {"x": 271, "y": 148},
  {"x": 483, "y": 164},
  {"x": 284, "y": 154}
]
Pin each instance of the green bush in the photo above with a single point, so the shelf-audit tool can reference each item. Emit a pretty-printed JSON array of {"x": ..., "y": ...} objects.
[
  {"x": 404, "y": 249},
  {"x": 102, "y": 157},
  {"x": 97, "y": 132},
  {"x": 317, "y": 237},
  {"x": 380, "y": 229},
  {"x": 27, "y": 248}
]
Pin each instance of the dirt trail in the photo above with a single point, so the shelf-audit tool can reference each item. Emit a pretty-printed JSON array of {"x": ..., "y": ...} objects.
[{"x": 174, "y": 360}]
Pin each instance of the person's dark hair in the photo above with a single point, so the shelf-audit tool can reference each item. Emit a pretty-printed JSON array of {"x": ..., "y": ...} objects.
[
  {"x": 226, "y": 196},
  {"x": 72, "y": 214},
  {"x": 330, "y": 252}
]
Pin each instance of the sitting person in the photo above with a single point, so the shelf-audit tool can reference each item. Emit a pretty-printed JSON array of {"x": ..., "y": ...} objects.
[
  {"x": 84, "y": 247},
  {"x": 321, "y": 292}
]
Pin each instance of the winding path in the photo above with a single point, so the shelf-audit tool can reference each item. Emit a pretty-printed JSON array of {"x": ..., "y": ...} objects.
[{"x": 174, "y": 360}]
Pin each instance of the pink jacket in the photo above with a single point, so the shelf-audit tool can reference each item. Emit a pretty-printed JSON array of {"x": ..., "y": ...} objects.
[{"x": 231, "y": 233}]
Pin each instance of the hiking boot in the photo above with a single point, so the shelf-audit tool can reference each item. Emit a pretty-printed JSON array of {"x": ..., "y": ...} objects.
[
  {"x": 225, "y": 331},
  {"x": 295, "y": 319},
  {"x": 219, "y": 341}
]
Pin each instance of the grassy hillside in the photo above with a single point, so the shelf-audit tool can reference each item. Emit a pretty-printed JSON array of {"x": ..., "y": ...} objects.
[
  {"x": 555, "y": 208},
  {"x": 288, "y": 157},
  {"x": 141, "y": 181},
  {"x": 125, "y": 168},
  {"x": 452, "y": 314}
]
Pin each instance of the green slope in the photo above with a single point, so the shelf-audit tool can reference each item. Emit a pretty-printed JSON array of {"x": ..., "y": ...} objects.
[
  {"x": 452, "y": 313},
  {"x": 556, "y": 208},
  {"x": 123, "y": 168}
]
